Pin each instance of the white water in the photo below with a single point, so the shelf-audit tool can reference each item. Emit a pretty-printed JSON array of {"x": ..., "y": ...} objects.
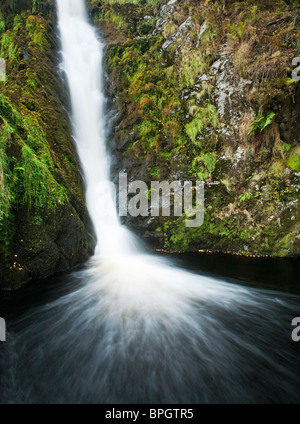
[
  {"x": 133, "y": 282},
  {"x": 136, "y": 328},
  {"x": 82, "y": 62}
]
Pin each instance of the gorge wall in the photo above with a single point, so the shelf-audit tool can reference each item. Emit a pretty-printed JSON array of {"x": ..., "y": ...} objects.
[
  {"x": 43, "y": 218},
  {"x": 203, "y": 91}
]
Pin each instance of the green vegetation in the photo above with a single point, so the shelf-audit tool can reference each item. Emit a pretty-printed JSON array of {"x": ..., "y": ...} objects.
[
  {"x": 28, "y": 180},
  {"x": 170, "y": 120},
  {"x": 40, "y": 187},
  {"x": 204, "y": 165},
  {"x": 244, "y": 197},
  {"x": 35, "y": 30},
  {"x": 204, "y": 117},
  {"x": 293, "y": 161},
  {"x": 236, "y": 31},
  {"x": 121, "y": 2},
  {"x": 261, "y": 122}
]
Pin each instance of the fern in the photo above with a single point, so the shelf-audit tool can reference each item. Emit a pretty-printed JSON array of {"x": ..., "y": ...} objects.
[{"x": 261, "y": 122}]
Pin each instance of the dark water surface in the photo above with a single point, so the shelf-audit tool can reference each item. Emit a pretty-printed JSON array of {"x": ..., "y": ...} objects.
[{"x": 224, "y": 339}]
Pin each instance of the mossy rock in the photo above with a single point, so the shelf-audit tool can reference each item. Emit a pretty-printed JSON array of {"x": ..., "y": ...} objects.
[
  {"x": 170, "y": 124},
  {"x": 44, "y": 225},
  {"x": 293, "y": 160}
]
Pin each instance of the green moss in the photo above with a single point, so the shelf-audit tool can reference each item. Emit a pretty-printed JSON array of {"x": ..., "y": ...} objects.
[
  {"x": 191, "y": 67},
  {"x": 154, "y": 171},
  {"x": 18, "y": 21},
  {"x": 2, "y": 26},
  {"x": 40, "y": 188},
  {"x": 7, "y": 45},
  {"x": 169, "y": 123},
  {"x": 36, "y": 32},
  {"x": 6, "y": 192},
  {"x": 293, "y": 160},
  {"x": 236, "y": 31},
  {"x": 8, "y": 111},
  {"x": 27, "y": 178},
  {"x": 244, "y": 197},
  {"x": 180, "y": 238},
  {"x": 32, "y": 81},
  {"x": 205, "y": 117},
  {"x": 204, "y": 165}
]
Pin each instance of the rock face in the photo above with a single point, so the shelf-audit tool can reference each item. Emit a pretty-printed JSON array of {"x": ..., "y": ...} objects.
[
  {"x": 203, "y": 91},
  {"x": 44, "y": 226}
]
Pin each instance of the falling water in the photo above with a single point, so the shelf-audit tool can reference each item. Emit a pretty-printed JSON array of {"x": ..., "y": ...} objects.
[
  {"x": 132, "y": 328},
  {"x": 82, "y": 54}
]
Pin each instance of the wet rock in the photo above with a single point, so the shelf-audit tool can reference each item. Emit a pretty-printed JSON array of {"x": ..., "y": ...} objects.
[
  {"x": 191, "y": 102},
  {"x": 230, "y": 89},
  {"x": 45, "y": 231}
]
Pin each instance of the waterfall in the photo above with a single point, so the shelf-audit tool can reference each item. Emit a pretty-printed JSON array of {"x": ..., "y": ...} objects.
[
  {"x": 132, "y": 327},
  {"x": 82, "y": 55}
]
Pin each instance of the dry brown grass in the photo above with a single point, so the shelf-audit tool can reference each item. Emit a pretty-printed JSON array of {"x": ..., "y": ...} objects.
[
  {"x": 243, "y": 56},
  {"x": 245, "y": 123}
]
